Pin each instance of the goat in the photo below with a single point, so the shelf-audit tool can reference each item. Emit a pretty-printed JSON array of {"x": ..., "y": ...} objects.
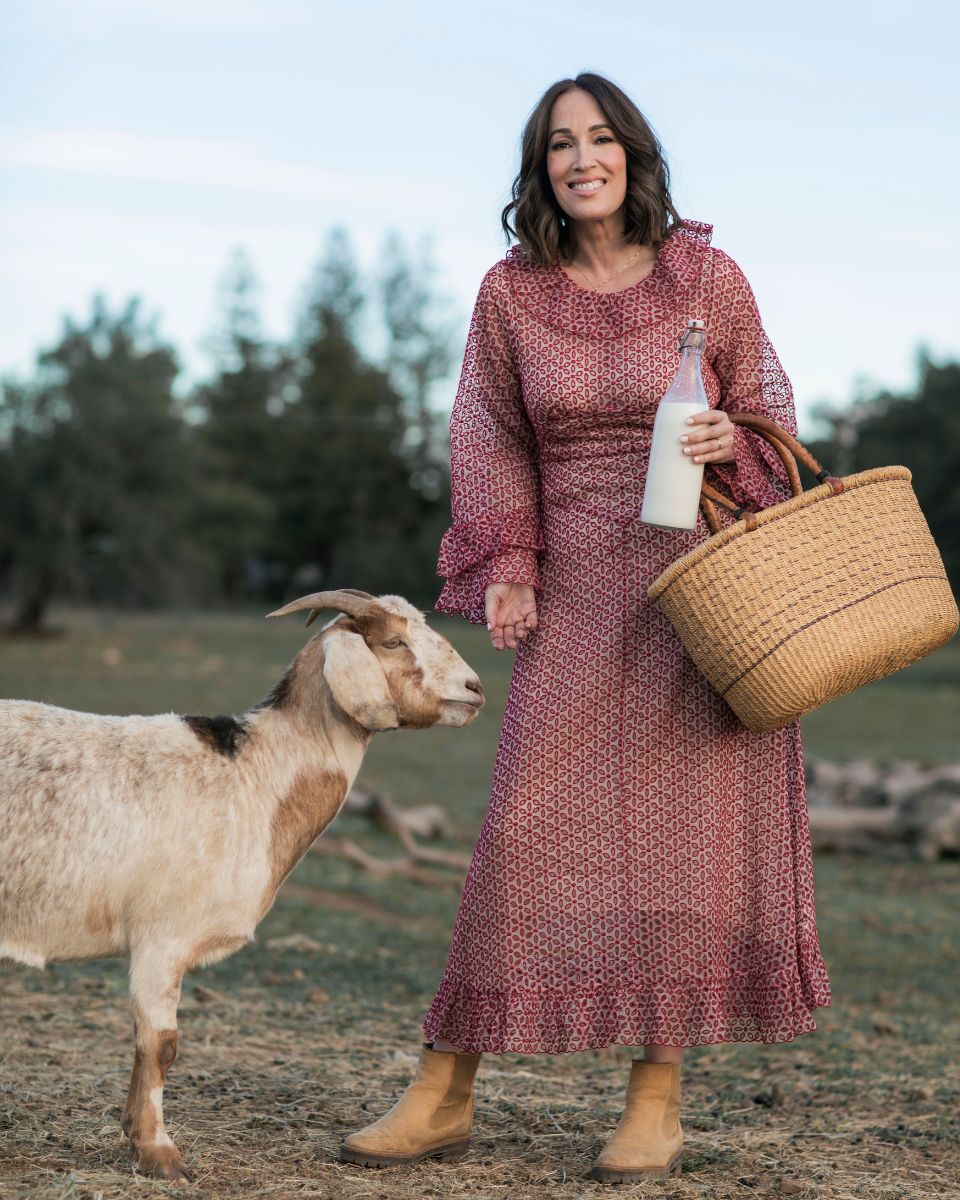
[{"x": 164, "y": 839}]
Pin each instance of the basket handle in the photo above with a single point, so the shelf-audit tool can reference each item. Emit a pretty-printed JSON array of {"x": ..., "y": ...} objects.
[{"x": 789, "y": 450}]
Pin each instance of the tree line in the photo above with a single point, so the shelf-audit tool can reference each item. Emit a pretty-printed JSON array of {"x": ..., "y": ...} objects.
[
  {"x": 296, "y": 466},
  {"x": 311, "y": 463},
  {"x": 918, "y": 428}
]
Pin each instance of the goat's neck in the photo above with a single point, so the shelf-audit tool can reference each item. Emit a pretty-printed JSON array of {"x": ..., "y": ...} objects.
[
  {"x": 323, "y": 724},
  {"x": 309, "y": 731},
  {"x": 309, "y": 752}
]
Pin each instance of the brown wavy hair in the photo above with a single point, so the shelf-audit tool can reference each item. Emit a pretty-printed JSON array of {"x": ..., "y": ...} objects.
[{"x": 542, "y": 227}]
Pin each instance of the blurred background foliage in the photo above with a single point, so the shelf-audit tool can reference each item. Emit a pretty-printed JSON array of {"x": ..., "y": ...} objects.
[
  {"x": 316, "y": 463},
  {"x": 310, "y": 464}
]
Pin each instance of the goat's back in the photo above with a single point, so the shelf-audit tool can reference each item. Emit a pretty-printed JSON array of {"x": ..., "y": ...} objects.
[{"x": 107, "y": 824}]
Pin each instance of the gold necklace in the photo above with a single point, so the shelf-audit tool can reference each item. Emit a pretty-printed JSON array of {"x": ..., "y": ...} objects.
[{"x": 633, "y": 258}]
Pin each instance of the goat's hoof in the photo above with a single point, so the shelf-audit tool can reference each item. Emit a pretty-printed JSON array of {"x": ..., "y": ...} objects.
[{"x": 163, "y": 1162}]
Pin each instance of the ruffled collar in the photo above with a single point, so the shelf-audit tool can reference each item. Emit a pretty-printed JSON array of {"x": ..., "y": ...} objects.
[{"x": 552, "y": 296}]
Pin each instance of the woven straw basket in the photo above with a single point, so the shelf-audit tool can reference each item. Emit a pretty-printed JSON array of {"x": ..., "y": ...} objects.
[{"x": 802, "y": 602}]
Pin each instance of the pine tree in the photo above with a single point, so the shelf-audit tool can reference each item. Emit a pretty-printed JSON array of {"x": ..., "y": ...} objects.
[{"x": 96, "y": 469}]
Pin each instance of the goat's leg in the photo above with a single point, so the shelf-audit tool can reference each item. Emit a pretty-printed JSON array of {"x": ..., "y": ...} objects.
[
  {"x": 134, "y": 1089},
  {"x": 155, "y": 991}
]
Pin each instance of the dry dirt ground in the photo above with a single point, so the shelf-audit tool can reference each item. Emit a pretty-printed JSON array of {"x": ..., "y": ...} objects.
[
  {"x": 314, "y": 1030},
  {"x": 296, "y": 1041}
]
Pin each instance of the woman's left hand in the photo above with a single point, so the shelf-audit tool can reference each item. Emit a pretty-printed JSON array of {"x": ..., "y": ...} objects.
[{"x": 701, "y": 438}]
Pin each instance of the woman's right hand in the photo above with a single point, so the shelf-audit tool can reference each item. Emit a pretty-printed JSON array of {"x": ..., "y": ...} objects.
[{"x": 511, "y": 613}]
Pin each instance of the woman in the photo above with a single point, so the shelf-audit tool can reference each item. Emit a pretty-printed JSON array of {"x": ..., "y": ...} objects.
[{"x": 644, "y": 874}]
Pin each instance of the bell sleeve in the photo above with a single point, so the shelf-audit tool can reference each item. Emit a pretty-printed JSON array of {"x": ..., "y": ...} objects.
[
  {"x": 751, "y": 380},
  {"x": 496, "y": 535}
]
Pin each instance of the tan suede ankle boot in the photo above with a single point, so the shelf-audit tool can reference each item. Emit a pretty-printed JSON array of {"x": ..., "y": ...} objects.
[
  {"x": 432, "y": 1119},
  {"x": 647, "y": 1144}
]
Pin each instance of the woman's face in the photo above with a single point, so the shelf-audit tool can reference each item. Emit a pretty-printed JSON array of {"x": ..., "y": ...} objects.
[{"x": 582, "y": 148}]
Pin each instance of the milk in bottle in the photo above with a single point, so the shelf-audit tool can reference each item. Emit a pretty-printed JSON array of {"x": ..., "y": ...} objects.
[{"x": 671, "y": 498}]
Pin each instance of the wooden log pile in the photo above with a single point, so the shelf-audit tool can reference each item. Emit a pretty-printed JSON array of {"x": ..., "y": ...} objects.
[{"x": 899, "y": 808}]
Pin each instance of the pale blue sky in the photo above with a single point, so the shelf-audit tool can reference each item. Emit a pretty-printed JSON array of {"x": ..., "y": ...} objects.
[{"x": 141, "y": 140}]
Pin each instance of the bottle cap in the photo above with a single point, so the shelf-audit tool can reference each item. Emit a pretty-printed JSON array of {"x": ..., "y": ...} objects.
[{"x": 693, "y": 326}]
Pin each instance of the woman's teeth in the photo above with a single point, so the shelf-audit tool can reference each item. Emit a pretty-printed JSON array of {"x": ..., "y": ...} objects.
[{"x": 587, "y": 187}]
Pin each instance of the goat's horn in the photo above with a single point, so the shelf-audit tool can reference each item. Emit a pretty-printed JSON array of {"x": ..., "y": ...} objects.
[{"x": 346, "y": 600}]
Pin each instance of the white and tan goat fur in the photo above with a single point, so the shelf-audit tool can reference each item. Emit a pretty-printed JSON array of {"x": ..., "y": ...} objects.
[{"x": 165, "y": 838}]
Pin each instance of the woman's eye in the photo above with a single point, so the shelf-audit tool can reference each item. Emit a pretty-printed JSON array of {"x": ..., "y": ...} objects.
[{"x": 603, "y": 137}]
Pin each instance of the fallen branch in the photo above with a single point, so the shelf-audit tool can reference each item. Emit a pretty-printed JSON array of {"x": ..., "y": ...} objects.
[
  {"x": 404, "y": 868},
  {"x": 425, "y": 820},
  {"x": 406, "y": 824}
]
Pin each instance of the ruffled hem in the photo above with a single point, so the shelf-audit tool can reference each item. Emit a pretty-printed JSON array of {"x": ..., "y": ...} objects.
[
  {"x": 552, "y": 296},
  {"x": 469, "y": 543},
  {"x": 492, "y": 548},
  {"x": 464, "y": 595},
  {"x": 756, "y": 479},
  {"x": 768, "y": 1008}
]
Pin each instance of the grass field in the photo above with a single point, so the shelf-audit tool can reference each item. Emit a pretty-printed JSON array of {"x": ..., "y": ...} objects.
[{"x": 294, "y": 1042}]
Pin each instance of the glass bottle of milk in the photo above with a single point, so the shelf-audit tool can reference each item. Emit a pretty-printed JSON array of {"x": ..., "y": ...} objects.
[{"x": 671, "y": 497}]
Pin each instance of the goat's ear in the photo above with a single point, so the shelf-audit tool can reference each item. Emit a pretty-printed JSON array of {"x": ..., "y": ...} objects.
[{"x": 357, "y": 681}]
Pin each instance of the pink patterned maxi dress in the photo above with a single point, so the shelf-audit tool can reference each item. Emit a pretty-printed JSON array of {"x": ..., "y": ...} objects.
[{"x": 644, "y": 870}]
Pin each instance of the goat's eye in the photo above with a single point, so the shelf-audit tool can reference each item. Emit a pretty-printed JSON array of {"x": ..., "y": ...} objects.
[{"x": 393, "y": 643}]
